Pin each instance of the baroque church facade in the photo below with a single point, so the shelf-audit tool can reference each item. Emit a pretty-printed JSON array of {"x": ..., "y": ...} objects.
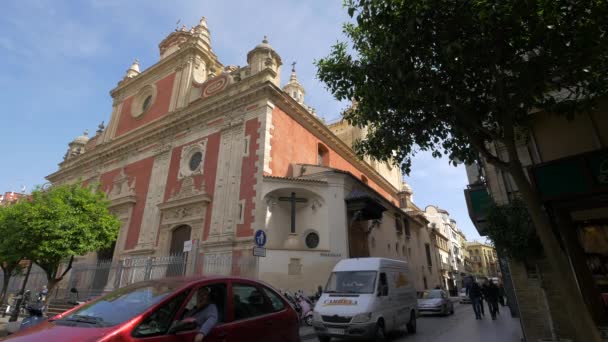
[{"x": 199, "y": 151}]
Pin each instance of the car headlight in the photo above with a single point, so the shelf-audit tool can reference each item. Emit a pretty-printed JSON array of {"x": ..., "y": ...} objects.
[
  {"x": 362, "y": 318},
  {"x": 316, "y": 316}
]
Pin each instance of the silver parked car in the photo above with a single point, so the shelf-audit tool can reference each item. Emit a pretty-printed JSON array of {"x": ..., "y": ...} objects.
[
  {"x": 435, "y": 302},
  {"x": 464, "y": 298}
]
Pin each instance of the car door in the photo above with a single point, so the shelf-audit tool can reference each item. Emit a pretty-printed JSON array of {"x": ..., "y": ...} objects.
[
  {"x": 218, "y": 295},
  {"x": 384, "y": 299},
  {"x": 251, "y": 315},
  {"x": 155, "y": 325}
]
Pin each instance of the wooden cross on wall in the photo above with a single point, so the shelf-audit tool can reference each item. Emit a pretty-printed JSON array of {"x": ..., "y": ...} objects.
[{"x": 293, "y": 199}]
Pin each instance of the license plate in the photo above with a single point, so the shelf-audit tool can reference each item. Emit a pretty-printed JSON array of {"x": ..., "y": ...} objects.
[{"x": 336, "y": 331}]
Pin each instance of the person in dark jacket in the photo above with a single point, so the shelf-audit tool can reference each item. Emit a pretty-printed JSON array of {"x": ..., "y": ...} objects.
[
  {"x": 475, "y": 294},
  {"x": 501, "y": 295},
  {"x": 490, "y": 293}
]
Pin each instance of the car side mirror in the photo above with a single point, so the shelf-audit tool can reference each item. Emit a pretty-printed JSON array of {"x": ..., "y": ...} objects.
[{"x": 185, "y": 324}]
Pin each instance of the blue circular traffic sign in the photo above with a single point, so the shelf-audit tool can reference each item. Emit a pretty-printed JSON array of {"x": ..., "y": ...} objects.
[{"x": 260, "y": 238}]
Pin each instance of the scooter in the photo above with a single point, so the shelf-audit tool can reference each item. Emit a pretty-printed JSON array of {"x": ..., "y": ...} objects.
[
  {"x": 36, "y": 316},
  {"x": 305, "y": 309}
]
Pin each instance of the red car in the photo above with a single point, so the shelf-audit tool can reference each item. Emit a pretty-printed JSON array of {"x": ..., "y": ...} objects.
[{"x": 153, "y": 311}]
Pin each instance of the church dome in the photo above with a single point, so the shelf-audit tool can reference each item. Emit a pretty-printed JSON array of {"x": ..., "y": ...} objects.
[
  {"x": 264, "y": 44},
  {"x": 406, "y": 188},
  {"x": 83, "y": 139},
  {"x": 264, "y": 48}
]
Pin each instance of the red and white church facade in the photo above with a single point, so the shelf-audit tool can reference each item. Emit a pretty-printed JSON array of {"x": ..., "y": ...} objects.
[{"x": 195, "y": 150}]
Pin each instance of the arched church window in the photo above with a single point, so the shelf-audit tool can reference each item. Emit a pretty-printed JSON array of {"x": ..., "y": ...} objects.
[
  {"x": 373, "y": 242},
  {"x": 322, "y": 155}
]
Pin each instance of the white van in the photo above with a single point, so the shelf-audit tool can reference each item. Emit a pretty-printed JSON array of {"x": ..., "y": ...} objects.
[{"x": 366, "y": 297}]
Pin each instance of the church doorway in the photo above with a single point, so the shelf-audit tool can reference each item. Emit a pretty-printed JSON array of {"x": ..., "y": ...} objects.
[
  {"x": 179, "y": 235},
  {"x": 104, "y": 263}
]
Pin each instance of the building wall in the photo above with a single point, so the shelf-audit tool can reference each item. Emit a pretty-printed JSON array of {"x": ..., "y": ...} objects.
[
  {"x": 140, "y": 172},
  {"x": 586, "y": 133},
  {"x": 159, "y": 107},
  {"x": 303, "y": 148},
  {"x": 532, "y": 300},
  {"x": 350, "y": 134}
]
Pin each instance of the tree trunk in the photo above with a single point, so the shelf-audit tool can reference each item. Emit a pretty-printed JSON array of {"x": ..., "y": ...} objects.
[
  {"x": 580, "y": 317},
  {"x": 5, "y": 281}
]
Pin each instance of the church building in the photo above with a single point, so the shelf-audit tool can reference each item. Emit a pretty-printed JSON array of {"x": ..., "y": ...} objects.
[{"x": 200, "y": 151}]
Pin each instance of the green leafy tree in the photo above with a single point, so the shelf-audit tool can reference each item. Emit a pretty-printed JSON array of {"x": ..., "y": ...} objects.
[
  {"x": 511, "y": 230},
  {"x": 10, "y": 257},
  {"x": 456, "y": 77},
  {"x": 61, "y": 222}
]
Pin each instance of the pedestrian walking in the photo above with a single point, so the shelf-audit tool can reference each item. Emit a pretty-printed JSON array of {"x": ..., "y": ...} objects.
[
  {"x": 501, "y": 295},
  {"x": 490, "y": 293},
  {"x": 475, "y": 294}
]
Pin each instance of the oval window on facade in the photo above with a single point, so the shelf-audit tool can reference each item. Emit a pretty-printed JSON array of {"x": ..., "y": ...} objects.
[
  {"x": 312, "y": 240},
  {"x": 146, "y": 104},
  {"x": 195, "y": 160}
]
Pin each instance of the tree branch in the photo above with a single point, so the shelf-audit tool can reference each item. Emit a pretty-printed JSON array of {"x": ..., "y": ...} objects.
[
  {"x": 480, "y": 146},
  {"x": 67, "y": 269}
]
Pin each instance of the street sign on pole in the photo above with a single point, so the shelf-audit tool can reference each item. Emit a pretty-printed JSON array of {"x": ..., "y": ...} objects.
[
  {"x": 260, "y": 238},
  {"x": 259, "y": 251}
]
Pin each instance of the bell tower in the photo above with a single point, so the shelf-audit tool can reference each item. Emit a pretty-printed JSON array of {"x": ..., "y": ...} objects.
[{"x": 293, "y": 88}]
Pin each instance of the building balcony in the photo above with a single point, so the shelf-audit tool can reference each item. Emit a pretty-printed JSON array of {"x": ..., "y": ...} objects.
[{"x": 478, "y": 201}]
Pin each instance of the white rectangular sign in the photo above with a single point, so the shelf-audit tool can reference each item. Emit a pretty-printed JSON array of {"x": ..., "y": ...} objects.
[
  {"x": 187, "y": 246},
  {"x": 259, "y": 251}
]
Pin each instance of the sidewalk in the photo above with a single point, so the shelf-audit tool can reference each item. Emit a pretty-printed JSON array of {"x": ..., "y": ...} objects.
[{"x": 6, "y": 326}]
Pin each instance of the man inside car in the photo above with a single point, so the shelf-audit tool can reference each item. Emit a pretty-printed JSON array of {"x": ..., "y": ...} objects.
[{"x": 204, "y": 312}]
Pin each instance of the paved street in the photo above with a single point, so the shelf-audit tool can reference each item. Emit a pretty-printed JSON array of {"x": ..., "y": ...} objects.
[{"x": 462, "y": 326}]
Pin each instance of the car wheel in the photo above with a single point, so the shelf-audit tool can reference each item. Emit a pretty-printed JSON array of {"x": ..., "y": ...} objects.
[
  {"x": 308, "y": 320},
  {"x": 324, "y": 338},
  {"x": 411, "y": 325},
  {"x": 452, "y": 310},
  {"x": 380, "y": 332}
]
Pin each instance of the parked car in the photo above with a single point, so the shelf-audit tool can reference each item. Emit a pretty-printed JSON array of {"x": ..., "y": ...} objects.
[
  {"x": 153, "y": 311},
  {"x": 435, "y": 302},
  {"x": 464, "y": 298}
]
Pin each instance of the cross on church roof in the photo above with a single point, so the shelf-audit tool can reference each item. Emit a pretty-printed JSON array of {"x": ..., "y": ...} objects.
[{"x": 293, "y": 66}]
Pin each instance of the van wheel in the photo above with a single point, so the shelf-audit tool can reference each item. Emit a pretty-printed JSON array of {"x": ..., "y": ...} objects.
[
  {"x": 324, "y": 338},
  {"x": 380, "y": 332},
  {"x": 411, "y": 325}
]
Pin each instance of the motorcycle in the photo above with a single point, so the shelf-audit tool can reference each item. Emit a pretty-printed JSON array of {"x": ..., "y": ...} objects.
[
  {"x": 306, "y": 309},
  {"x": 294, "y": 302},
  {"x": 36, "y": 315}
]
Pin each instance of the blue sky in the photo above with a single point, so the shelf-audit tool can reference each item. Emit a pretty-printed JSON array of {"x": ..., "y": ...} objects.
[{"x": 61, "y": 58}]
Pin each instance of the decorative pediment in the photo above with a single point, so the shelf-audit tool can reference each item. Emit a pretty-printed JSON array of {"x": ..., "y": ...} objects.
[
  {"x": 123, "y": 190},
  {"x": 186, "y": 203}
]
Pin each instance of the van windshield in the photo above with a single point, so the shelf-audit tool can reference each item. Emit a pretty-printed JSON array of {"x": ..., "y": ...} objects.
[{"x": 351, "y": 282}]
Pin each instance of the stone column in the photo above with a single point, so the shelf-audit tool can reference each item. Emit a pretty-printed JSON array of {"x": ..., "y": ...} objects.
[{"x": 155, "y": 196}]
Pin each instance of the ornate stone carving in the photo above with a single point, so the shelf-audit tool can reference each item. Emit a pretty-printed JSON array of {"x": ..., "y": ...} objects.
[
  {"x": 122, "y": 186},
  {"x": 187, "y": 190}
]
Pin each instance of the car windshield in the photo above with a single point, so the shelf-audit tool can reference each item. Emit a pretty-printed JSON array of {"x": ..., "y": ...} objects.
[
  {"x": 352, "y": 282},
  {"x": 431, "y": 295},
  {"x": 119, "y": 306}
]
